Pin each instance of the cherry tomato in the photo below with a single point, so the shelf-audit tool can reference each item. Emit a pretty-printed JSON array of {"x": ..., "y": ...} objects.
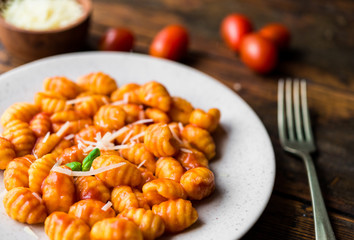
[
  {"x": 277, "y": 33},
  {"x": 258, "y": 53},
  {"x": 171, "y": 43},
  {"x": 117, "y": 39},
  {"x": 233, "y": 28}
]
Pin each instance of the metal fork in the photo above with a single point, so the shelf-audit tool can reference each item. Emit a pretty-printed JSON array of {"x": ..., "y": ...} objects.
[{"x": 296, "y": 137}]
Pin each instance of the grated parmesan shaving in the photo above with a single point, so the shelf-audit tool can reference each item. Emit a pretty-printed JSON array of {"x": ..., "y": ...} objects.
[
  {"x": 141, "y": 115},
  {"x": 127, "y": 137},
  {"x": 148, "y": 97},
  {"x": 188, "y": 157},
  {"x": 137, "y": 136},
  {"x": 46, "y": 137},
  {"x": 58, "y": 163},
  {"x": 69, "y": 137},
  {"x": 186, "y": 150},
  {"x": 107, "y": 206},
  {"x": 105, "y": 142},
  {"x": 175, "y": 135},
  {"x": 81, "y": 145},
  {"x": 37, "y": 196},
  {"x": 143, "y": 121},
  {"x": 105, "y": 100},
  {"x": 63, "y": 129},
  {"x": 62, "y": 170},
  {"x": 126, "y": 98},
  {"x": 141, "y": 164},
  {"x": 121, "y": 102},
  {"x": 114, "y": 118},
  {"x": 87, "y": 173},
  {"x": 180, "y": 125},
  {"x": 77, "y": 100},
  {"x": 29, "y": 231},
  {"x": 116, "y": 134}
]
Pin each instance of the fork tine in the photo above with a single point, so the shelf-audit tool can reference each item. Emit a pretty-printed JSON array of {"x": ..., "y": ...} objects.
[
  {"x": 297, "y": 110},
  {"x": 281, "y": 118},
  {"x": 305, "y": 112},
  {"x": 289, "y": 109}
]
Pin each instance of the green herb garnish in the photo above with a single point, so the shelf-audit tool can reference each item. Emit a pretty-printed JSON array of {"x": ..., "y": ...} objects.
[
  {"x": 75, "y": 166},
  {"x": 87, "y": 162}
]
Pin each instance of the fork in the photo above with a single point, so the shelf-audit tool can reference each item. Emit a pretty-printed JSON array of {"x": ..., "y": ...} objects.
[{"x": 296, "y": 137}]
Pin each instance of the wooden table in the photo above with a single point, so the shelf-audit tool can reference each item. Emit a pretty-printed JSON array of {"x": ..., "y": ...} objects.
[{"x": 322, "y": 52}]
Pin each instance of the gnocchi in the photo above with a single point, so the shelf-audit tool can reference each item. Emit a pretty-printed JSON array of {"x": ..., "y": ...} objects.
[
  {"x": 22, "y": 205},
  {"x": 87, "y": 150},
  {"x": 62, "y": 226}
]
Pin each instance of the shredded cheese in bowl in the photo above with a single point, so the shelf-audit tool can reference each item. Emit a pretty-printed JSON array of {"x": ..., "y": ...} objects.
[{"x": 42, "y": 14}]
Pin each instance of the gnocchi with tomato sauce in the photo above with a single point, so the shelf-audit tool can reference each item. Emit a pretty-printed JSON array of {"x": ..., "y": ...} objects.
[{"x": 92, "y": 159}]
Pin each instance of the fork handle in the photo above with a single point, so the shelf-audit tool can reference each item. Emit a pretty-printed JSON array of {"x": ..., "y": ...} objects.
[{"x": 323, "y": 227}]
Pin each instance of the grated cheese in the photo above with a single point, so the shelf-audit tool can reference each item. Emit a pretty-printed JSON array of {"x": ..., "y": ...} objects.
[
  {"x": 46, "y": 137},
  {"x": 143, "y": 121},
  {"x": 188, "y": 157},
  {"x": 107, "y": 206},
  {"x": 148, "y": 97},
  {"x": 180, "y": 125},
  {"x": 175, "y": 135},
  {"x": 105, "y": 100},
  {"x": 186, "y": 150},
  {"x": 69, "y": 137},
  {"x": 37, "y": 196},
  {"x": 81, "y": 145},
  {"x": 76, "y": 100},
  {"x": 43, "y": 15},
  {"x": 126, "y": 97},
  {"x": 141, "y": 164},
  {"x": 29, "y": 231},
  {"x": 87, "y": 173},
  {"x": 141, "y": 115},
  {"x": 137, "y": 136},
  {"x": 62, "y": 170},
  {"x": 58, "y": 163},
  {"x": 63, "y": 129},
  {"x": 105, "y": 142},
  {"x": 116, "y": 134},
  {"x": 121, "y": 102},
  {"x": 127, "y": 137}
]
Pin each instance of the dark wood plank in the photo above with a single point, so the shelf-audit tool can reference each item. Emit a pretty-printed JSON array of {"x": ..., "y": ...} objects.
[{"x": 287, "y": 218}]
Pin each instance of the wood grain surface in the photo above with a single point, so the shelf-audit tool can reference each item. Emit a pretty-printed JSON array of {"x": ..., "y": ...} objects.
[{"x": 321, "y": 51}]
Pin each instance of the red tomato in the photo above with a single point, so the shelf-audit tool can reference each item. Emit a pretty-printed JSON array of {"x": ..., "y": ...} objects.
[
  {"x": 277, "y": 33},
  {"x": 117, "y": 39},
  {"x": 258, "y": 53},
  {"x": 171, "y": 43},
  {"x": 233, "y": 28}
]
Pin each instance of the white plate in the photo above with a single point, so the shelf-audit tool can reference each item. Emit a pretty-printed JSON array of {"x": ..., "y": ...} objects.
[{"x": 245, "y": 165}]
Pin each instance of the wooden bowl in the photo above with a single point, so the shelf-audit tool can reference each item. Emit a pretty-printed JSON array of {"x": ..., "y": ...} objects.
[{"x": 32, "y": 44}]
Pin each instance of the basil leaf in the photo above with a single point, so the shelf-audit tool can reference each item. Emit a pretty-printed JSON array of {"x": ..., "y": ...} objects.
[
  {"x": 87, "y": 162},
  {"x": 75, "y": 166}
]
